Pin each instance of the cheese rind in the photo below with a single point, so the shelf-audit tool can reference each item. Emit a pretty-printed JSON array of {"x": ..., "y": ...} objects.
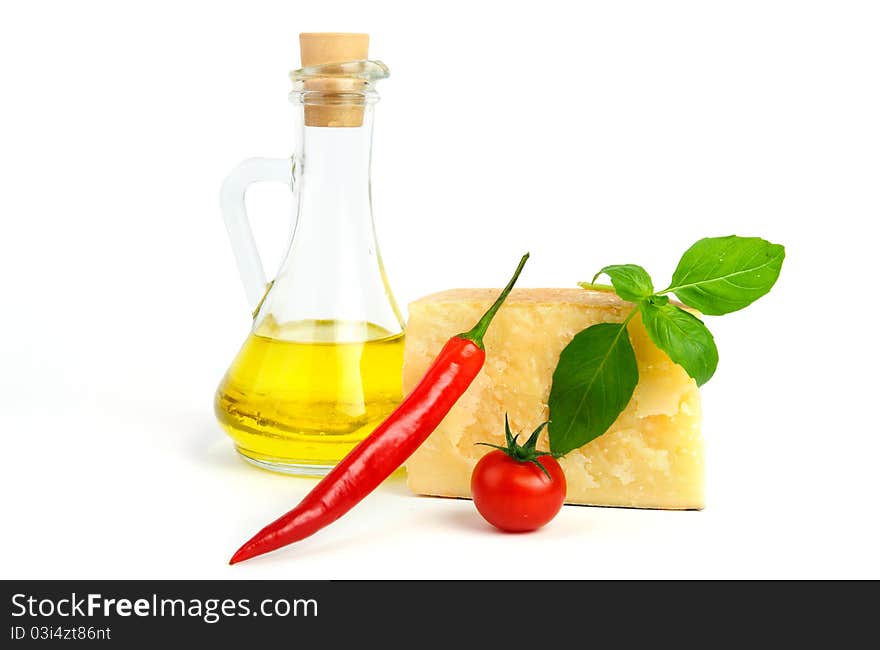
[{"x": 651, "y": 457}]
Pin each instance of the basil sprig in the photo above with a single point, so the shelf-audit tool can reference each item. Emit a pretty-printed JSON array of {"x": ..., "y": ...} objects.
[{"x": 596, "y": 374}]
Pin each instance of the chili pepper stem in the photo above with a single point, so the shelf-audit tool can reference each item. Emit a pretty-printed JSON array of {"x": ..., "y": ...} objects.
[{"x": 478, "y": 331}]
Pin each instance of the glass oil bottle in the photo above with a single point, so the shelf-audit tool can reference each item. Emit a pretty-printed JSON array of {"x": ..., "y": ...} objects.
[{"x": 321, "y": 367}]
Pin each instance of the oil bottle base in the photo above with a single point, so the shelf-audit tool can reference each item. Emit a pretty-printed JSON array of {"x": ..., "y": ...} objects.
[{"x": 283, "y": 465}]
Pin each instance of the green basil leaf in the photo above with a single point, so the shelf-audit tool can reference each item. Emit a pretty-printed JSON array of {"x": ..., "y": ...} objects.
[
  {"x": 631, "y": 281},
  {"x": 718, "y": 275},
  {"x": 684, "y": 337},
  {"x": 593, "y": 382}
]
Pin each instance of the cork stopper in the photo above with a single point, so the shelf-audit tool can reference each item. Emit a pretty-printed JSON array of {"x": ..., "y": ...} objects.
[
  {"x": 318, "y": 48},
  {"x": 337, "y": 104}
]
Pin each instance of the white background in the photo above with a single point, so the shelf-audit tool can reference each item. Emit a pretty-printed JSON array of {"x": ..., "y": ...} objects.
[{"x": 617, "y": 132}]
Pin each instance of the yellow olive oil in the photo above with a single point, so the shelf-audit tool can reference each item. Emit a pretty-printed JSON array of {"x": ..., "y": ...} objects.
[{"x": 300, "y": 395}]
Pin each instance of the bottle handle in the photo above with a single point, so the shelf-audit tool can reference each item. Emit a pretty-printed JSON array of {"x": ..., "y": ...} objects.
[{"x": 244, "y": 247}]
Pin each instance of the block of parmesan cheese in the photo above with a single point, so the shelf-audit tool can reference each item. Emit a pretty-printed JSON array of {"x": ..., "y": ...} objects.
[{"x": 651, "y": 457}]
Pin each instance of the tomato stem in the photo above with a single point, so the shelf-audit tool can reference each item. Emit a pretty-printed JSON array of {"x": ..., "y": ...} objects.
[{"x": 525, "y": 453}]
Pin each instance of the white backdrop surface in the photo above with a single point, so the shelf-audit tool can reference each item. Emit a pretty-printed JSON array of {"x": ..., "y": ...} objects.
[{"x": 611, "y": 133}]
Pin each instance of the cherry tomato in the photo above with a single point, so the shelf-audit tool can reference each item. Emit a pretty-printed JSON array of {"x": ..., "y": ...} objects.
[{"x": 515, "y": 495}]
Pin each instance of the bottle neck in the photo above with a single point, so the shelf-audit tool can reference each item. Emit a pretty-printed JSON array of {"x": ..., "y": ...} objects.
[
  {"x": 332, "y": 169},
  {"x": 333, "y": 270}
]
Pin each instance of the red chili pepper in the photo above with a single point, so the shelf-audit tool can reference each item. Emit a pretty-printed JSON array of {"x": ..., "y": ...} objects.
[{"x": 389, "y": 445}]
